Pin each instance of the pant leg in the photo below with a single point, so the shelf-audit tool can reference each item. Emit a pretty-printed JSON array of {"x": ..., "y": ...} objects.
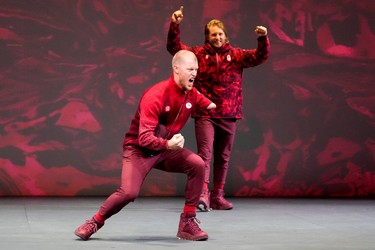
[
  {"x": 187, "y": 162},
  {"x": 135, "y": 168},
  {"x": 225, "y": 130},
  {"x": 204, "y": 134}
]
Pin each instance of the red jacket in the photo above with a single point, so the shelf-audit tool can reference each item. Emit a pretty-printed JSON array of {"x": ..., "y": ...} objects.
[
  {"x": 220, "y": 72},
  {"x": 162, "y": 112}
]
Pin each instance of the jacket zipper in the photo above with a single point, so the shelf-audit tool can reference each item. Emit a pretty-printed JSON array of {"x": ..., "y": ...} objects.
[{"x": 217, "y": 63}]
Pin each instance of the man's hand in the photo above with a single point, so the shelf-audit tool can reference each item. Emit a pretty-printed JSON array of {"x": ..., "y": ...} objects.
[
  {"x": 176, "y": 142},
  {"x": 260, "y": 31},
  {"x": 177, "y": 16}
]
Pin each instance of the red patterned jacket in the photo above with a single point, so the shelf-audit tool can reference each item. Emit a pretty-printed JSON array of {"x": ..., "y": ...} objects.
[{"x": 220, "y": 72}]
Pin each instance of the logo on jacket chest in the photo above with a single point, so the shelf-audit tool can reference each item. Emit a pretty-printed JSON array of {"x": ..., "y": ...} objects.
[
  {"x": 188, "y": 105},
  {"x": 229, "y": 58}
]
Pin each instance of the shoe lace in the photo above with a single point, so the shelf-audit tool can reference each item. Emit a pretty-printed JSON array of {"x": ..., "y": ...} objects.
[
  {"x": 221, "y": 199},
  {"x": 193, "y": 224},
  {"x": 90, "y": 226}
]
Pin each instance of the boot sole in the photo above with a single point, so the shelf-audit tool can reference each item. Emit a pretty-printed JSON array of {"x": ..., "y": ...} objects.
[
  {"x": 203, "y": 208},
  {"x": 185, "y": 236},
  {"x": 221, "y": 208},
  {"x": 81, "y": 237}
]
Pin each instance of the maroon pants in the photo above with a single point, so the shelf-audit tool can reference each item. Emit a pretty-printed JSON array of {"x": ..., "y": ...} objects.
[
  {"x": 215, "y": 137},
  {"x": 135, "y": 167}
]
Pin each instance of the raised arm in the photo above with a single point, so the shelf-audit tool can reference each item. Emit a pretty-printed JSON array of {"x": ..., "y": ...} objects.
[
  {"x": 260, "y": 31},
  {"x": 177, "y": 16},
  {"x": 174, "y": 41},
  {"x": 254, "y": 57}
]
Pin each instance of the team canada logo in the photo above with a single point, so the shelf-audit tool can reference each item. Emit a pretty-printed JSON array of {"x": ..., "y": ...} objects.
[
  {"x": 188, "y": 105},
  {"x": 167, "y": 108}
]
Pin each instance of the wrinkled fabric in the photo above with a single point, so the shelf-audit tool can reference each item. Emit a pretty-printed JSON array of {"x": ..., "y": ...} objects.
[
  {"x": 219, "y": 76},
  {"x": 163, "y": 111}
]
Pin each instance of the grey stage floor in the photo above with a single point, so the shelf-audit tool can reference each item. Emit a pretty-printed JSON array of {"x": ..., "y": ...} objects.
[{"x": 151, "y": 223}]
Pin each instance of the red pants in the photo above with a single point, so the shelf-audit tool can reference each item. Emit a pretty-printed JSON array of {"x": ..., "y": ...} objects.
[
  {"x": 215, "y": 136},
  {"x": 135, "y": 167}
]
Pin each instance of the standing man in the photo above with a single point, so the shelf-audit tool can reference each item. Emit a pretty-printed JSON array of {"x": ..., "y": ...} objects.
[
  {"x": 220, "y": 79},
  {"x": 153, "y": 141}
]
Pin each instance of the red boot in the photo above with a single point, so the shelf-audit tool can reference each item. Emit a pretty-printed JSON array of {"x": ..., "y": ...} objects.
[
  {"x": 217, "y": 201},
  {"x": 188, "y": 228},
  {"x": 87, "y": 229},
  {"x": 204, "y": 201}
]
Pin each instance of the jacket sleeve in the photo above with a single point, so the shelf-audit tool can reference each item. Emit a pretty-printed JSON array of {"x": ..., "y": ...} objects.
[
  {"x": 256, "y": 56},
  {"x": 150, "y": 109},
  {"x": 174, "y": 41},
  {"x": 202, "y": 102}
]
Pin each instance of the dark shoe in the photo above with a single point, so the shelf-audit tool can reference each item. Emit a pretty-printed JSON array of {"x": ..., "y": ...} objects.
[
  {"x": 188, "y": 229},
  {"x": 217, "y": 201},
  {"x": 204, "y": 201},
  {"x": 87, "y": 229}
]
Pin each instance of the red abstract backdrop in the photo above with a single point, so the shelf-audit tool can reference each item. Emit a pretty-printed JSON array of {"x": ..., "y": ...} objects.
[{"x": 72, "y": 72}]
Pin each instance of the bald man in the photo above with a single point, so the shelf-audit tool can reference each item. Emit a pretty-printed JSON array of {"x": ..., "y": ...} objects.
[{"x": 153, "y": 141}]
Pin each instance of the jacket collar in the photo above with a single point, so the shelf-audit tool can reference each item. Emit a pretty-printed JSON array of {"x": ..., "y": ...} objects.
[
  {"x": 211, "y": 50},
  {"x": 175, "y": 86}
]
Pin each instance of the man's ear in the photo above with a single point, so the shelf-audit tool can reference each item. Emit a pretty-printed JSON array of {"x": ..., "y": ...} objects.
[{"x": 175, "y": 69}]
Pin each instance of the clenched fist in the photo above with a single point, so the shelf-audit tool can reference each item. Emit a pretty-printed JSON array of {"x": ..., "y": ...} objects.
[
  {"x": 176, "y": 142},
  {"x": 260, "y": 31}
]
